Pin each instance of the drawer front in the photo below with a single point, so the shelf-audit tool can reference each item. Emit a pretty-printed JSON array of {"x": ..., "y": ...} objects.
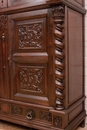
[{"x": 27, "y": 113}]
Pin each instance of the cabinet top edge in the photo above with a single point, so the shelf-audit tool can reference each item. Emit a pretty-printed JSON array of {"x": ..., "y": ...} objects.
[
  {"x": 41, "y": 5},
  {"x": 69, "y": 3}
]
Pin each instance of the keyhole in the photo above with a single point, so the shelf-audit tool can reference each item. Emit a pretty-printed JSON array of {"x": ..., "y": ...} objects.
[{"x": 2, "y": 2}]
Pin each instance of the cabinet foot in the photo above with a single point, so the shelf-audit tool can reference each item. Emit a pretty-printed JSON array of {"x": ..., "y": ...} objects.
[{"x": 82, "y": 124}]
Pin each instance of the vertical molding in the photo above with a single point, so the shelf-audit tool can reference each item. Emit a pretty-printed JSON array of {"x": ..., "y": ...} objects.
[
  {"x": 86, "y": 59},
  {"x": 58, "y": 19},
  {"x": 3, "y": 27}
]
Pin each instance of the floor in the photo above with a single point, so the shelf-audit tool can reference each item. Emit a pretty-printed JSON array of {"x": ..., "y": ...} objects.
[{"x": 9, "y": 126}]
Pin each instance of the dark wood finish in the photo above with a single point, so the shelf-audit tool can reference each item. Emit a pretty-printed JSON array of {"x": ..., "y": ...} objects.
[{"x": 42, "y": 63}]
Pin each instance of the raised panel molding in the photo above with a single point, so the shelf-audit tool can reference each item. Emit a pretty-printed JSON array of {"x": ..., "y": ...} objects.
[{"x": 42, "y": 63}]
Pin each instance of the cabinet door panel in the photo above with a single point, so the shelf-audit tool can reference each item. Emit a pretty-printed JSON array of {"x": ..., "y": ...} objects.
[{"x": 29, "y": 57}]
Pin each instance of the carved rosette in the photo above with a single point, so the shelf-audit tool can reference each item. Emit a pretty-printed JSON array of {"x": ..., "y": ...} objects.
[
  {"x": 16, "y": 109},
  {"x": 57, "y": 121},
  {"x": 58, "y": 19},
  {"x": 46, "y": 116}
]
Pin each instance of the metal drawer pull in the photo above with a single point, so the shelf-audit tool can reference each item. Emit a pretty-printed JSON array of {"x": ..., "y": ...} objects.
[{"x": 31, "y": 115}]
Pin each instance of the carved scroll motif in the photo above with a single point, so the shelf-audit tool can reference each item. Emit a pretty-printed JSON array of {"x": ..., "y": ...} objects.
[
  {"x": 58, "y": 18},
  {"x": 3, "y": 22},
  {"x": 30, "y": 36},
  {"x": 31, "y": 79}
]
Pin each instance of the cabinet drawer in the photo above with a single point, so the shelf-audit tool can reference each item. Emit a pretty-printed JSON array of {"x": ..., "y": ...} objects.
[{"x": 28, "y": 113}]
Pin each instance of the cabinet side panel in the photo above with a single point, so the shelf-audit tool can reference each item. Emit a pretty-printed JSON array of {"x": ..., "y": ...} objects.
[
  {"x": 79, "y": 1},
  {"x": 75, "y": 46}
]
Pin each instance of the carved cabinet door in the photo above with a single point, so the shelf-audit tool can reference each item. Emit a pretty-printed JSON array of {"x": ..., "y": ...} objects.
[{"x": 30, "y": 74}]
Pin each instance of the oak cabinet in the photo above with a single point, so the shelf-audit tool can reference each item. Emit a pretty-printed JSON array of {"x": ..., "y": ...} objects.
[{"x": 42, "y": 63}]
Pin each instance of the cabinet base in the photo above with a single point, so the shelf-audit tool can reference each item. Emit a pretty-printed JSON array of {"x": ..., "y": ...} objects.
[{"x": 79, "y": 121}]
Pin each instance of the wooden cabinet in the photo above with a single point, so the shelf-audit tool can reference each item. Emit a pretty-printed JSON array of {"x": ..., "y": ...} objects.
[{"x": 42, "y": 63}]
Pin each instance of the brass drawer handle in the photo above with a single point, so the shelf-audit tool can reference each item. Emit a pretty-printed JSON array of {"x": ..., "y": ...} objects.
[{"x": 31, "y": 115}]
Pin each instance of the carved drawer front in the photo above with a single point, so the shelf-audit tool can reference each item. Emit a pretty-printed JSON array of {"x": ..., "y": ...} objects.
[
  {"x": 30, "y": 113},
  {"x": 28, "y": 57}
]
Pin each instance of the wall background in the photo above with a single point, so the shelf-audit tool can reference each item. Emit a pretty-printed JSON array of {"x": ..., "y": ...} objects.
[{"x": 86, "y": 58}]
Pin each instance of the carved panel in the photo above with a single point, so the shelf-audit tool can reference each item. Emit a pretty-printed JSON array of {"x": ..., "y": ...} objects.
[
  {"x": 30, "y": 36},
  {"x": 16, "y": 109},
  {"x": 46, "y": 116},
  {"x": 57, "y": 120},
  {"x": 31, "y": 79},
  {"x": 58, "y": 18},
  {"x": 3, "y": 22}
]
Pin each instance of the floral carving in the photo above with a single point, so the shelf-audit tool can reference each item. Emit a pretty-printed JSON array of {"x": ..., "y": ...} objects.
[
  {"x": 57, "y": 121},
  {"x": 58, "y": 18},
  {"x": 46, "y": 116},
  {"x": 30, "y": 35},
  {"x": 3, "y": 22},
  {"x": 31, "y": 79},
  {"x": 16, "y": 109},
  {"x": 58, "y": 11}
]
